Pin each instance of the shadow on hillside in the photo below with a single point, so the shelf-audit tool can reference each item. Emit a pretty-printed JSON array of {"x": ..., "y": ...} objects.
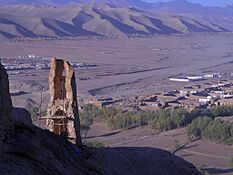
[
  {"x": 110, "y": 134},
  {"x": 138, "y": 161},
  {"x": 191, "y": 146},
  {"x": 22, "y": 30},
  {"x": 218, "y": 170},
  {"x": 105, "y": 135},
  {"x": 124, "y": 28},
  {"x": 19, "y": 93},
  {"x": 31, "y": 149}
]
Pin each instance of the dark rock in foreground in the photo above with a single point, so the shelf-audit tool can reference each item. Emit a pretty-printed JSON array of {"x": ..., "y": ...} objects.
[
  {"x": 21, "y": 115},
  {"x": 33, "y": 151}
]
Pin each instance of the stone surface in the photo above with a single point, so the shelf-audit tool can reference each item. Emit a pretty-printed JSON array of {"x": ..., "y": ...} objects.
[
  {"x": 39, "y": 152},
  {"x": 62, "y": 113},
  {"x": 5, "y": 105},
  {"x": 22, "y": 116}
]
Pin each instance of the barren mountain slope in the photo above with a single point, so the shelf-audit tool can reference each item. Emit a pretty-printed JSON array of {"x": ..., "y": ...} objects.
[
  {"x": 93, "y": 20},
  {"x": 130, "y": 3},
  {"x": 216, "y": 15}
]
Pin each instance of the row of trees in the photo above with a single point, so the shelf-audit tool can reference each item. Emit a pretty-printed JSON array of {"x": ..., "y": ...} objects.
[
  {"x": 202, "y": 123},
  {"x": 214, "y": 130},
  {"x": 215, "y": 111},
  {"x": 94, "y": 144},
  {"x": 162, "y": 120},
  {"x": 35, "y": 112}
]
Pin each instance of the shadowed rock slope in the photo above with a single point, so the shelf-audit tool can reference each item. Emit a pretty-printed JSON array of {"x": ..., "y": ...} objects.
[
  {"x": 28, "y": 150},
  {"x": 103, "y": 20},
  {"x": 34, "y": 151}
]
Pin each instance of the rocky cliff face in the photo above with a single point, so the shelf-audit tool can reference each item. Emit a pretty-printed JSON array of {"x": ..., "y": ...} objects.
[
  {"x": 32, "y": 151},
  {"x": 5, "y": 105}
]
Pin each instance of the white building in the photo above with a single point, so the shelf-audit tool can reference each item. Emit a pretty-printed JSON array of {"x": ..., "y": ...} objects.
[
  {"x": 205, "y": 100},
  {"x": 179, "y": 79},
  {"x": 195, "y": 78}
]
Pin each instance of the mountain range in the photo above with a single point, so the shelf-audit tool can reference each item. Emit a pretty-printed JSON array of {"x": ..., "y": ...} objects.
[
  {"x": 109, "y": 18},
  {"x": 171, "y": 5},
  {"x": 129, "y": 3}
]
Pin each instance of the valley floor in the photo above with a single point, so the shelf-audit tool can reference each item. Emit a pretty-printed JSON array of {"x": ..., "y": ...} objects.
[{"x": 125, "y": 67}]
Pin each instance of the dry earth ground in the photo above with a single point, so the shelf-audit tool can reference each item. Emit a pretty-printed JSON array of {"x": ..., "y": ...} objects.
[{"x": 125, "y": 67}]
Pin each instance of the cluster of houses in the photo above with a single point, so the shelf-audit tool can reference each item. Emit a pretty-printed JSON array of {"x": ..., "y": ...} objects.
[
  {"x": 34, "y": 62},
  {"x": 208, "y": 93},
  {"x": 25, "y": 66},
  {"x": 28, "y": 62},
  {"x": 129, "y": 104},
  {"x": 98, "y": 102},
  {"x": 196, "y": 78},
  {"x": 191, "y": 97}
]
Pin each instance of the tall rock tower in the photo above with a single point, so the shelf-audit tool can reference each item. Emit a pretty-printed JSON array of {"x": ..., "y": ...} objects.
[
  {"x": 5, "y": 106},
  {"x": 62, "y": 113}
]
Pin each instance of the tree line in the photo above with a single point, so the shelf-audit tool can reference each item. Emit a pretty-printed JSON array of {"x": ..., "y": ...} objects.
[
  {"x": 160, "y": 120},
  {"x": 201, "y": 122},
  {"x": 211, "y": 129}
]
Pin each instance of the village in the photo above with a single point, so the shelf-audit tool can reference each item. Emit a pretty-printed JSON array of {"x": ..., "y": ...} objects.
[
  {"x": 33, "y": 62},
  {"x": 198, "y": 92}
]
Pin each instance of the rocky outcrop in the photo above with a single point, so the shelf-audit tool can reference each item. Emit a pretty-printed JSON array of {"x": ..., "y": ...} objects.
[
  {"x": 140, "y": 161},
  {"x": 21, "y": 115},
  {"x": 5, "y": 106},
  {"x": 62, "y": 113},
  {"x": 8, "y": 114},
  {"x": 33, "y": 151},
  {"x": 39, "y": 152}
]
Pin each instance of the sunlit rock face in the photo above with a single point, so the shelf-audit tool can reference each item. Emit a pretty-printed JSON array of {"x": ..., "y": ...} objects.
[
  {"x": 62, "y": 113},
  {"x": 5, "y": 105}
]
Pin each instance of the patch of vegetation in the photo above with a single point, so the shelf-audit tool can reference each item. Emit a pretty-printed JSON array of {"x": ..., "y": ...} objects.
[
  {"x": 203, "y": 172},
  {"x": 162, "y": 120},
  {"x": 168, "y": 119},
  {"x": 94, "y": 144},
  {"x": 231, "y": 161},
  {"x": 214, "y": 130},
  {"x": 177, "y": 144},
  {"x": 213, "y": 112},
  {"x": 35, "y": 111},
  {"x": 200, "y": 122}
]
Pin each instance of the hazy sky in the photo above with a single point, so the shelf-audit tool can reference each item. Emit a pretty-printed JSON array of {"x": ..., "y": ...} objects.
[{"x": 204, "y": 2}]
